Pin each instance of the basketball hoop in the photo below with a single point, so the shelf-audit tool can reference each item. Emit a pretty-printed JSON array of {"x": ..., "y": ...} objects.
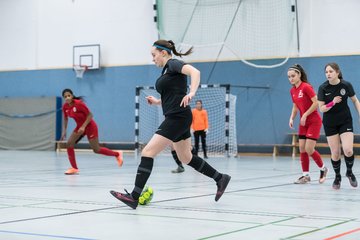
[{"x": 80, "y": 70}]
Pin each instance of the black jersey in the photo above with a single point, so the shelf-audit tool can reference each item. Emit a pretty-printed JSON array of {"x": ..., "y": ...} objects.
[
  {"x": 172, "y": 86},
  {"x": 340, "y": 112}
]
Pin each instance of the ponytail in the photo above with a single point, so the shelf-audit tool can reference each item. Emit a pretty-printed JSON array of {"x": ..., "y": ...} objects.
[{"x": 169, "y": 47}]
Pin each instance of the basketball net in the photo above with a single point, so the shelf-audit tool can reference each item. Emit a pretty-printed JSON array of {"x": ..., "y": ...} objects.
[{"x": 80, "y": 70}]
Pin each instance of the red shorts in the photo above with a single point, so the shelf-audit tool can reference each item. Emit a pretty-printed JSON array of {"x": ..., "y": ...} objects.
[
  {"x": 91, "y": 130},
  {"x": 311, "y": 130}
]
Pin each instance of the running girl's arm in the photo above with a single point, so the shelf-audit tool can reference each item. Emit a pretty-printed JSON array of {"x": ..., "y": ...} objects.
[
  {"x": 322, "y": 106},
  {"x": 153, "y": 100},
  {"x": 84, "y": 109},
  {"x": 326, "y": 107},
  {"x": 87, "y": 121},
  {"x": 63, "y": 135},
  {"x": 311, "y": 109},
  {"x": 356, "y": 102},
  {"x": 293, "y": 115},
  {"x": 194, "y": 84},
  {"x": 81, "y": 130}
]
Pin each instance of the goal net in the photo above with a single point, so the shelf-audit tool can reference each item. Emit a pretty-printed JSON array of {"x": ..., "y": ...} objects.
[
  {"x": 221, "y": 30},
  {"x": 217, "y": 101}
]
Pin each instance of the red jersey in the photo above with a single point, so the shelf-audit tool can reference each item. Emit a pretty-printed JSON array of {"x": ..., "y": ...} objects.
[
  {"x": 78, "y": 111},
  {"x": 301, "y": 96}
]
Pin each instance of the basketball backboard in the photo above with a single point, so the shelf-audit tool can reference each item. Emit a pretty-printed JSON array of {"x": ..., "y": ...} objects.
[{"x": 87, "y": 55}]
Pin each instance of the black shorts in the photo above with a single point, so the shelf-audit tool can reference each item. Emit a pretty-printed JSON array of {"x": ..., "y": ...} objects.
[
  {"x": 176, "y": 127},
  {"x": 339, "y": 129},
  {"x": 305, "y": 137}
]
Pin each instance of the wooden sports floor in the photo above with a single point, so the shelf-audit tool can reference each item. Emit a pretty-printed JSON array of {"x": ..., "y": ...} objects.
[{"x": 37, "y": 201}]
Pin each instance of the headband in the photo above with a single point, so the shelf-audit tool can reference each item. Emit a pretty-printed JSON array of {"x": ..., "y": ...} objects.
[
  {"x": 295, "y": 69},
  {"x": 163, "y": 48}
]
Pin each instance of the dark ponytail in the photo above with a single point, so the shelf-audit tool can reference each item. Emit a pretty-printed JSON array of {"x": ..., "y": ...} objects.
[
  {"x": 298, "y": 68},
  {"x": 71, "y": 92},
  {"x": 169, "y": 46}
]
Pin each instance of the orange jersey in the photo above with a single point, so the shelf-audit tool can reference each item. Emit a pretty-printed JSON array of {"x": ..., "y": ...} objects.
[{"x": 200, "y": 120}]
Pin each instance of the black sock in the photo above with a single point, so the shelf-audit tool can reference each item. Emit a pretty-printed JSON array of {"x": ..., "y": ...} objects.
[
  {"x": 349, "y": 163},
  {"x": 203, "y": 167},
  {"x": 336, "y": 165},
  {"x": 176, "y": 159},
  {"x": 143, "y": 174}
]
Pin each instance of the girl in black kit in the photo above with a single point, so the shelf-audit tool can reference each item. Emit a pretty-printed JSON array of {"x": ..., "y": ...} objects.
[
  {"x": 175, "y": 129},
  {"x": 337, "y": 120}
]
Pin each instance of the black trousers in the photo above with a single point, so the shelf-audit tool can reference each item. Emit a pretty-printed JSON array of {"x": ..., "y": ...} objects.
[{"x": 200, "y": 134}]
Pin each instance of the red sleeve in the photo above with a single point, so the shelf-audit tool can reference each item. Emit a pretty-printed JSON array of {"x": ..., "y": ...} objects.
[
  {"x": 308, "y": 90},
  {"x": 82, "y": 107}
]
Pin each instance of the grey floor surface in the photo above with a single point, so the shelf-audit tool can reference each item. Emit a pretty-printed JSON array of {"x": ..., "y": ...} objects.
[{"x": 37, "y": 201}]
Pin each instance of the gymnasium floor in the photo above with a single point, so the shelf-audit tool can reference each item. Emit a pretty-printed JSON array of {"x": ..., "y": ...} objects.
[{"x": 37, "y": 201}]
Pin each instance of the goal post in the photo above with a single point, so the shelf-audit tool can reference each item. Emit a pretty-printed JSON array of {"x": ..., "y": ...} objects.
[{"x": 217, "y": 101}]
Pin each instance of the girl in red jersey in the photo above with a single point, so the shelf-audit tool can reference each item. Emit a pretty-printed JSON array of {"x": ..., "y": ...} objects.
[
  {"x": 75, "y": 108},
  {"x": 305, "y": 100}
]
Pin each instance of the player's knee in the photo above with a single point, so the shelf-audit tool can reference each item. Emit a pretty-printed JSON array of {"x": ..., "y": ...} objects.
[
  {"x": 302, "y": 149},
  {"x": 309, "y": 150},
  {"x": 147, "y": 152},
  {"x": 184, "y": 156},
  {"x": 335, "y": 155},
  {"x": 348, "y": 152}
]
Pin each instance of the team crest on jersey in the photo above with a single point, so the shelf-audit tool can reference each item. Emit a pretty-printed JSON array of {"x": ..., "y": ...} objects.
[
  {"x": 301, "y": 94},
  {"x": 342, "y": 92},
  {"x": 74, "y": 109}
]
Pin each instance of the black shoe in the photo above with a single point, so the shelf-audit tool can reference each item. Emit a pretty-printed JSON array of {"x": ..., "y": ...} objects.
[
  {"x": 179, "y": 169},
  {"x": 126, "y": 198},
  {"x": 337, "y": 182},
  {"x": 205, "y": 157},
  {"x": 352, "y": 179},
  {"x": 221, "y": 186},
  {"x": 323, "y": 174}
]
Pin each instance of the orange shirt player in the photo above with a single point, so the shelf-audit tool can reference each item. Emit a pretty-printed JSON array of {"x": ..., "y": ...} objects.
[
  {"x": 200, "y": 126},
  {"x": 75, "y": 108}
]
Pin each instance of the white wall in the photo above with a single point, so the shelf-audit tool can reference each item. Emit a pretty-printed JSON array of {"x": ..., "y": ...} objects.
[
  {"x": 18, "y": 34},
  {"x": 37, "y": 34},
  {"x": 41, "y": 34},
  {"x": 329, "y": 27}
]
